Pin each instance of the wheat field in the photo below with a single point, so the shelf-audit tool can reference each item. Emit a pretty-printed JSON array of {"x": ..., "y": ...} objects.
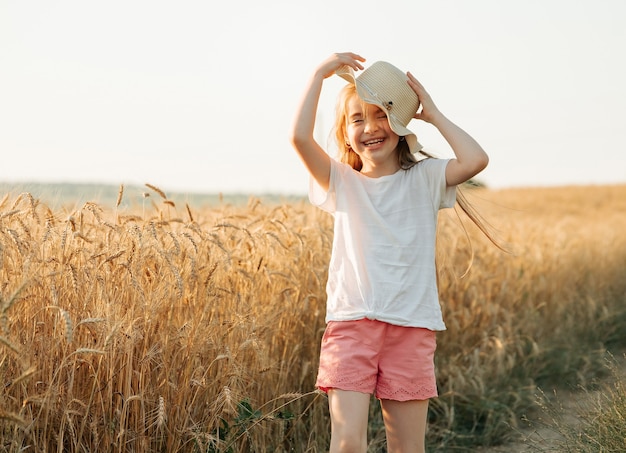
[{"x": 172, "y": 328}]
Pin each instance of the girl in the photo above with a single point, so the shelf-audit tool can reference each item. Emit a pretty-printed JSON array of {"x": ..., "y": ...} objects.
[{"x": 382, "y": 303}]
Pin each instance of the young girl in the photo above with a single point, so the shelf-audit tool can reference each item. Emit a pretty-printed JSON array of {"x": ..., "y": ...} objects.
[{"x": 382, "y": 302}]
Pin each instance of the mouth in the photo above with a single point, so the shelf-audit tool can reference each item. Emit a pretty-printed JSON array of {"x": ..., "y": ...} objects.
[{"x": 373, "y": 142}]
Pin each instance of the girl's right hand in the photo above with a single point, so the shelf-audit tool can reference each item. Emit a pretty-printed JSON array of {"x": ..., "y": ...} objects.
[
  {"x": 337, "y": 60},
  {"x": 316, "y": 160}
]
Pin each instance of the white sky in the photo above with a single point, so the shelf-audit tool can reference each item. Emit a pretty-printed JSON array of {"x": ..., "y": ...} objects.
[{"x": 199, "y": 96}]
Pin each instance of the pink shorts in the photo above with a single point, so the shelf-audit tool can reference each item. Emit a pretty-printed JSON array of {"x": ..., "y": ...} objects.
[{"x": 393, "y": 362}]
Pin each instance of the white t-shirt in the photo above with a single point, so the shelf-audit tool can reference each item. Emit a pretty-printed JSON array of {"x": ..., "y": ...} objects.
[{"x": 382, "y": 265}]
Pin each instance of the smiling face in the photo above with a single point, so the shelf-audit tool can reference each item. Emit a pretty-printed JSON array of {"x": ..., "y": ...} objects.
[{"x": 371, "y": 138}]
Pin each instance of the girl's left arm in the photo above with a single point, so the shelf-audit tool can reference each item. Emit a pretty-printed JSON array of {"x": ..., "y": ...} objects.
[{"x": 471, "y": 159}]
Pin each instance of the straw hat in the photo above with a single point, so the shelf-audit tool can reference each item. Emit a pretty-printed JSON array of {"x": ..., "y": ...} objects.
[{"x": 386, "y": 86}]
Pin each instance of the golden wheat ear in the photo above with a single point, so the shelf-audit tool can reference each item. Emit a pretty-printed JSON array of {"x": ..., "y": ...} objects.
[
  {"x": 120, "y": 194},
  {"x": 157, "y": 190}
]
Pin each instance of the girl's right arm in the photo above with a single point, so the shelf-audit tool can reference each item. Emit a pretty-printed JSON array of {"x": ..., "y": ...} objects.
[{"x": 315, "y": 159}]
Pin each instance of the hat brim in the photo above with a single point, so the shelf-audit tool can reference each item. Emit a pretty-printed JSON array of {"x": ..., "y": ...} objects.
[{"x": 346, "y": 73}]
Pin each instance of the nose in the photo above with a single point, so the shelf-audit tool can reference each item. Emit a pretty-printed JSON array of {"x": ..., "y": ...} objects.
[{"x": 371, "y": 125}]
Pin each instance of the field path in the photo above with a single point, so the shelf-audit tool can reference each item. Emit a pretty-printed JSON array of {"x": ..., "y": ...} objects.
[{"x": 566, "y": 410}]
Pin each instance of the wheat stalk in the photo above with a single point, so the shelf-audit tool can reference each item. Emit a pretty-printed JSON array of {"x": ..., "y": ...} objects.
[
  {"x": 189, "y": 212},
  {"x": 120, "y": 194},
  {"x": 11, "y": 346},
  {"x": 11, "y": 417},
  {"x": 161, "y": 416},
  {"x": 67, "y": 321},
  {"x": 69, "y": 331},
  {"x": 22, "y": 377},
  {"x": 157, "y": 190},
  {"x": 4, "y": 200}
]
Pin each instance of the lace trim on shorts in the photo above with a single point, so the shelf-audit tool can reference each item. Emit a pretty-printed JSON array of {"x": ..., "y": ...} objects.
[
  {"x": 338, "y": 381},
  {"x": 422, "y": 391}
]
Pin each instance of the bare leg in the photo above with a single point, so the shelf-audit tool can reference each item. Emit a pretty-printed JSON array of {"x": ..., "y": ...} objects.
[
  {"x": 348, "y": 418},
  {"x": 405, "y": 425}
]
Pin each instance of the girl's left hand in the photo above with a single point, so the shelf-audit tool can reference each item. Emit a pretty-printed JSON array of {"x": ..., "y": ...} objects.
[{"x": 429, "y": 111}]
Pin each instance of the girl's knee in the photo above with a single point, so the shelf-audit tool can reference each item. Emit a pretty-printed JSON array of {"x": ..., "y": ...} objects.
[
  {"x": 348, "y": 415},
  {"x": 348, "y": 444}
]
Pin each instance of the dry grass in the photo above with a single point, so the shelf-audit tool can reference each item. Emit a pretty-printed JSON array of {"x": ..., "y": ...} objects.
[
  {"x": 542, "y": 316},
  {"x": 176, "y": 329}
]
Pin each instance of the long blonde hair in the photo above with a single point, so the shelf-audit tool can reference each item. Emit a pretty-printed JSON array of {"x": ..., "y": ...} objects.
[{"x": 406, "y": 159}]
